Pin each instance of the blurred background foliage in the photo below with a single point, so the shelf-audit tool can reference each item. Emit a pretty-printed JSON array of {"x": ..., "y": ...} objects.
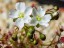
[{"x": 59, "y": 3}]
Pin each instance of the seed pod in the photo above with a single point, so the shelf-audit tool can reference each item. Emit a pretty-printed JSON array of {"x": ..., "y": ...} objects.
[
  {"x": 37, "y": 25},
  {"x": 56, "y": 8},
  {"x": 35, "y": 42},
  {"x": 14, "y": 37},
  {"x": 29, "y": 35},
  {"x": 31, "y": 29},
  {"x": 42, "y": 36},
  {"x": 30, "y": 32},
  {"x": 55, "y": 17},
  {"x": 14, "y": 19}
]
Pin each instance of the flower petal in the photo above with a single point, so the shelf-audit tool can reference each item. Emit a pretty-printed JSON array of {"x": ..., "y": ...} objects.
[
  {"x": 20, "y": 6},
  {"x": 14, "y": 14},
  {"x": 34, "y": 12},
  {"x": 19, "y": 22},
  {"x": 46, "y": 18},
  {"x": 27, "y": 19},
  {"x": 28, "y": 11},
  {"x": 41, "y": 11},
  {"x": 44, "y": 24},
  {"x": 33, "y": 21}
]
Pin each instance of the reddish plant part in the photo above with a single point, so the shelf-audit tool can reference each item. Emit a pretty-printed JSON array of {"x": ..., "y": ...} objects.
[
  {"x": 57, "y": 32},
  {"x": 62, "y": 28},
  {"x": 62, "y": 39},
  {"x": 8, "y": 47},
  {"x": 36, "y": 35},
  {"x": 6, "y": 37},
  {"x": 61, "y": 9},
  {"x": 33, "y": 5},
  {"x": 9, "y": 33},
  {"x": 1, "y": 45},
  {"x": 56, "y": 46}
]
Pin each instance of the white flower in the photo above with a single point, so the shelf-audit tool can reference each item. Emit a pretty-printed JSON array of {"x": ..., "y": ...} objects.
[
  {"x": 39, "y": 17},
  {"x": 23, "y": 14}
]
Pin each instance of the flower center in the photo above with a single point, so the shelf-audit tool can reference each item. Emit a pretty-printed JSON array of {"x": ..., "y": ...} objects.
[
  {"x": 38, "y": 18},
  {"x": 21, "y": 15}
]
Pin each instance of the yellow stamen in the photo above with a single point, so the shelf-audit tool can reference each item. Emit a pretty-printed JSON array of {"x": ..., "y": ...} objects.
[
  {"x": 38, "y": 18},
  {"x": 21, "y": 15}
]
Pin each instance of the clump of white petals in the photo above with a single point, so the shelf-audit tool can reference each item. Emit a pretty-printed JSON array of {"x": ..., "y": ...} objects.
[
  {"x": 39, "y": 17},
  {"x": 22, "y": 14}
]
